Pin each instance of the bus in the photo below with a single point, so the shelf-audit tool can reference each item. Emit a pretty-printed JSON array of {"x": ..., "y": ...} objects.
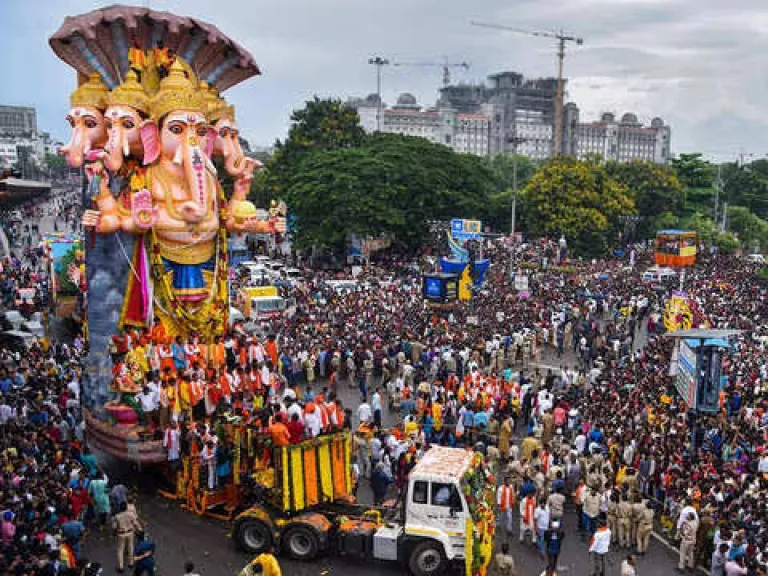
[{"x": 675, "y": 248}]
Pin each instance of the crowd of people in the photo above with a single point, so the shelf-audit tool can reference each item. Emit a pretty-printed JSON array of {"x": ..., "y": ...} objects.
[{"x": 564, "y": 386}]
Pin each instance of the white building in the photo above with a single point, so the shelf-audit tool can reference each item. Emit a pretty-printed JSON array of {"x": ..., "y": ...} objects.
[
  {"x": 465, "y": 133},
  {"x": 534, "y": 134},
  {"x": 625, "y": 140}
]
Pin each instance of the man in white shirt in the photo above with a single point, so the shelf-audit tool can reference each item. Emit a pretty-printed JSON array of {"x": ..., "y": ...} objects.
[
  {"x": 542, "y": 525},
  {"x": 364, "y": 413},
  {"x": 762, "y": 465},
  {"x": 687, "y": 509},
  {"x": 376, "y": 406},
  {"x": 313, "y": 421},
  {"x": 293, "y": 408},
  {"x": 148, "y": 404},
  {"x": 6, "y": 412}
]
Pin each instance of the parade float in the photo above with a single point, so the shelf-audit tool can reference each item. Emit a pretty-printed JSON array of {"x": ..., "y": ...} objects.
[{"x": 148, "y": 121}]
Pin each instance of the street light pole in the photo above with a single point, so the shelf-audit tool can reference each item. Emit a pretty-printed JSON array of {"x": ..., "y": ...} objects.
[
  {"x": 379, "y": 62},
  {"x": 514, "y": 196},
  {"x": 515, "y": 140}
]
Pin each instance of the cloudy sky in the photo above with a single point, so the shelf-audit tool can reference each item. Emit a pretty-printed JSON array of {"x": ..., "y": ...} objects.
[{"x": 699, "y": 64}]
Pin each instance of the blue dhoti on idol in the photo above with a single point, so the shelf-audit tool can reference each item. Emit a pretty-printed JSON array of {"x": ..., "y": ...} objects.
[{"x": 189, "y": 282}]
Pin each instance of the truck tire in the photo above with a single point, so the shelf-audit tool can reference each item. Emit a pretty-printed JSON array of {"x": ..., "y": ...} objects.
[
  {"x": 253, "y": 535},
  {"x": 300, "y": 543},
  {"x": 427, "y": 559}
]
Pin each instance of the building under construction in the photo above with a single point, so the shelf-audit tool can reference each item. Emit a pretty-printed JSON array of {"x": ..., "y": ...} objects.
[{"x": 521, "y": 111}]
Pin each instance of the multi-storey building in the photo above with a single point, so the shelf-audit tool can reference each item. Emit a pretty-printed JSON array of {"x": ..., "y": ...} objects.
[
  {"x": 515, "y": 115},
  {"x": 521, "y": 112},
  {"x": 625, "y": 140},
  {"x": 17, "y": 120},
  {"x": 464, "y": 132}
]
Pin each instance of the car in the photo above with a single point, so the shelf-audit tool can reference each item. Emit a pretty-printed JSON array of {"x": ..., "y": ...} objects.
[
  {"x": 12, "y": 320},
  {"x": 34, "y": 327},
  {"x": 16, "y": 340},
  {"x": 291, "y": 273},
  {"x": 658, "y": 274},
  {"x": 757, "y": 258},
  {"x": 342, "y": 285},
  {"x": 274, "y": 265}
]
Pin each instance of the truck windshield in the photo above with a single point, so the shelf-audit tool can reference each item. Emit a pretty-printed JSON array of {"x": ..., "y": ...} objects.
[
  {"x": 446, "y": 495},
  {"x": 275, "y": 304}
]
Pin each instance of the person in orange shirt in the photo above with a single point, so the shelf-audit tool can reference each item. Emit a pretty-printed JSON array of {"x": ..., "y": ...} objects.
[
  {"x": 158, "y": 333},
  {"x": 271, "y": 349},
  {"x": 217, "y": 353},
  {"x": 279, "y": 432}
]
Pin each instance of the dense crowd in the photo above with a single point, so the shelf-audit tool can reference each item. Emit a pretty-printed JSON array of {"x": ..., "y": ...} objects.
[{"x": 564, "y": 386}]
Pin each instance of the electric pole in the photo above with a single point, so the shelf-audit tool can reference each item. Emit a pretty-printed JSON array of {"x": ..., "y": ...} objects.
[
  {"x": 561, "y": 40},
  {"x": 718, "y": 186},
  {"x": 379, "y": 62}
]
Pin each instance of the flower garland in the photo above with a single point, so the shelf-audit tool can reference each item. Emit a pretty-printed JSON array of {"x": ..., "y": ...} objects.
[{"x": 478, "y": 490}]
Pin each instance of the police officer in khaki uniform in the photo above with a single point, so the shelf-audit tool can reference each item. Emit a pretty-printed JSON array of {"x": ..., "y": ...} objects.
[
  {"x": 638, "y": 510},
  {"x": 624, "y": 516},
  {"x": 645, "y": 528},
  {"x": 612, "y": 515}
]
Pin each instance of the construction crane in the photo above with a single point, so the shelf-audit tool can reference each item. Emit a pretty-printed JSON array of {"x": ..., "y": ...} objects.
[
  {"x": 446, "y": 66},
  {"x": 561, "y": 40}
]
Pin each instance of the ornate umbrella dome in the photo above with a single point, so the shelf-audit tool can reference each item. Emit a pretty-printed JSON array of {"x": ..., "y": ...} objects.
[{"x": 99, "y": 41}]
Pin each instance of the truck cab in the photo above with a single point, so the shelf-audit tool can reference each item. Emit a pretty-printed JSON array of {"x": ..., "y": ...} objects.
[{"x": 435, "y": 506}]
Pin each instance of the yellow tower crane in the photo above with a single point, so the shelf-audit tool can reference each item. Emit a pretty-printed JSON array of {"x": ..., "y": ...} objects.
[{"x": 561, "y": 40}]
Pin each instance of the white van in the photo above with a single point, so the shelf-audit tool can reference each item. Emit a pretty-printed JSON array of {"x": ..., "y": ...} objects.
[{"x": 658, "y": 274}]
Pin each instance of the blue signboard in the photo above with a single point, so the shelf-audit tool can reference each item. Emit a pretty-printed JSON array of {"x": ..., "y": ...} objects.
[{"x": 466, "y": 229}]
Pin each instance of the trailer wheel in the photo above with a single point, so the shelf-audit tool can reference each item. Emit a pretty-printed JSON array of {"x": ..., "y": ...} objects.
[
  {"x": 253, "y": 536},
  {"x": 300, "y": 543},
  {"x": 427, "y": 559}
]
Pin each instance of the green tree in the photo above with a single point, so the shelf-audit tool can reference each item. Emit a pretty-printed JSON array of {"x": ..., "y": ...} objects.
[
  {"x": 391, "y": 185},
  {"x": 692, "y": 171},
  {"x": 701, "y": 224},
  {"x": 56, "y": 166},
  {"x": 500, "y": 206},
  {"x": 655, "y": 190},
  {"x": 744, "y": 186},
  {"x": 579, "y": 199},
  {"x": 726, "y": 242},
  {"x": 751, "y": 229},
  {"x": 323, "y": 124}
]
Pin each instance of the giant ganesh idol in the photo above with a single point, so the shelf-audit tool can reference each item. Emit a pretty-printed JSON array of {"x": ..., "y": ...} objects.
[{"x": 147, "y": 122}]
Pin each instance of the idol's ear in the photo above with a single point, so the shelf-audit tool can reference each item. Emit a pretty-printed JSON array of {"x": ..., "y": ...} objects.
[
  {"x": 210, "y": 141},
  {"x": 150, "y": 139}
]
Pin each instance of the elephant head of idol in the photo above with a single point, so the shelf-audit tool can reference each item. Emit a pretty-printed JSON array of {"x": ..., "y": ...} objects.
[
  {"x": 178, "y": 142},
  {"x": 86, "y": 116},
  {"x": 128, "y": 108},
  {"x": 227, "y": 143}
]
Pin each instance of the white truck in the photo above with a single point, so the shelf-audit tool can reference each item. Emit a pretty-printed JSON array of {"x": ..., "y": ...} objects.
[{"x": 426, "y": 531}]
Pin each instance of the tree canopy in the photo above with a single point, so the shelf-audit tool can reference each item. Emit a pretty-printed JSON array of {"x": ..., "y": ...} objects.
[
  {"x": 693, "y": 171},
  {"x": 655, "y": 190},
  {"x": 579, "y": 199},
  {"x": 322, "y": 124},
  {"x": 390, "y": 185}
]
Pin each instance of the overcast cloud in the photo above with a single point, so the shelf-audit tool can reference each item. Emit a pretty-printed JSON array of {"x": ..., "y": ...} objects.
[{"x": 699, "y": 64}]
